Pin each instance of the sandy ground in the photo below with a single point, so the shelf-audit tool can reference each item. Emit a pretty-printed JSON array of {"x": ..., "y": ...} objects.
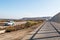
[
  {"x": 17, "y": 35},
  {"x": 13, "y": 35},
  {"x": 18, "y": 23}
]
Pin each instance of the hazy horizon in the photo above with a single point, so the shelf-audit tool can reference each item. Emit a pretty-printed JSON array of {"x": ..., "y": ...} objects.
[{"x": 16, "y": 9}]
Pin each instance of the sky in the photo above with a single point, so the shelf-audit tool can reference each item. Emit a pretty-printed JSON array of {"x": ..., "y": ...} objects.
[{"x": 17, "y": 9}]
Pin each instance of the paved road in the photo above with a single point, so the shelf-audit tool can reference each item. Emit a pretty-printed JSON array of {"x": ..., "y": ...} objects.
[{"x": 49, "y": 31}]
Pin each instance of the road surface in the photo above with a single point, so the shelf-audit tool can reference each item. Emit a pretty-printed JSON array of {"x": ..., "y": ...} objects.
[{"x": 49, "y": 31}]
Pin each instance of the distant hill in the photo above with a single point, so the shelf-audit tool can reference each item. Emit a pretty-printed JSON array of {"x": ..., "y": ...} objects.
[
  {"x": 36, "y": 18},
  {"x": 27, "y": 18}
]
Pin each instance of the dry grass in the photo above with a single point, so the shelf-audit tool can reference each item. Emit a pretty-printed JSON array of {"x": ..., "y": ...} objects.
[
  {"x": 22, "y": 26},
  {"x": 9, "y": 29},
  {"x": 30, "y": 23}
]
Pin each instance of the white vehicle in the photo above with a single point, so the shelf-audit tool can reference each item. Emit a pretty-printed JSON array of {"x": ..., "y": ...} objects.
[{"x": 10, "y": 23}]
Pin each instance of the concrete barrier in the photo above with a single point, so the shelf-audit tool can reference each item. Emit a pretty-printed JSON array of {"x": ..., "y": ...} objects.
[{"x": 56, "y": 18}]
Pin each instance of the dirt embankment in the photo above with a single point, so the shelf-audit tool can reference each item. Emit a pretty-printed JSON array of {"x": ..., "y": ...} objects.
[{"x": 17, "y": 35}]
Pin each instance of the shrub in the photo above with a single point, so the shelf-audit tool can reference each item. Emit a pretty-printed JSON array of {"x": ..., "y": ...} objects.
[
  {"x": 9, "y": 29},
  {"x": 30, "y": 23},
  {"x": 1, "y": 28},
  {"x": 18, "y": 27}
]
